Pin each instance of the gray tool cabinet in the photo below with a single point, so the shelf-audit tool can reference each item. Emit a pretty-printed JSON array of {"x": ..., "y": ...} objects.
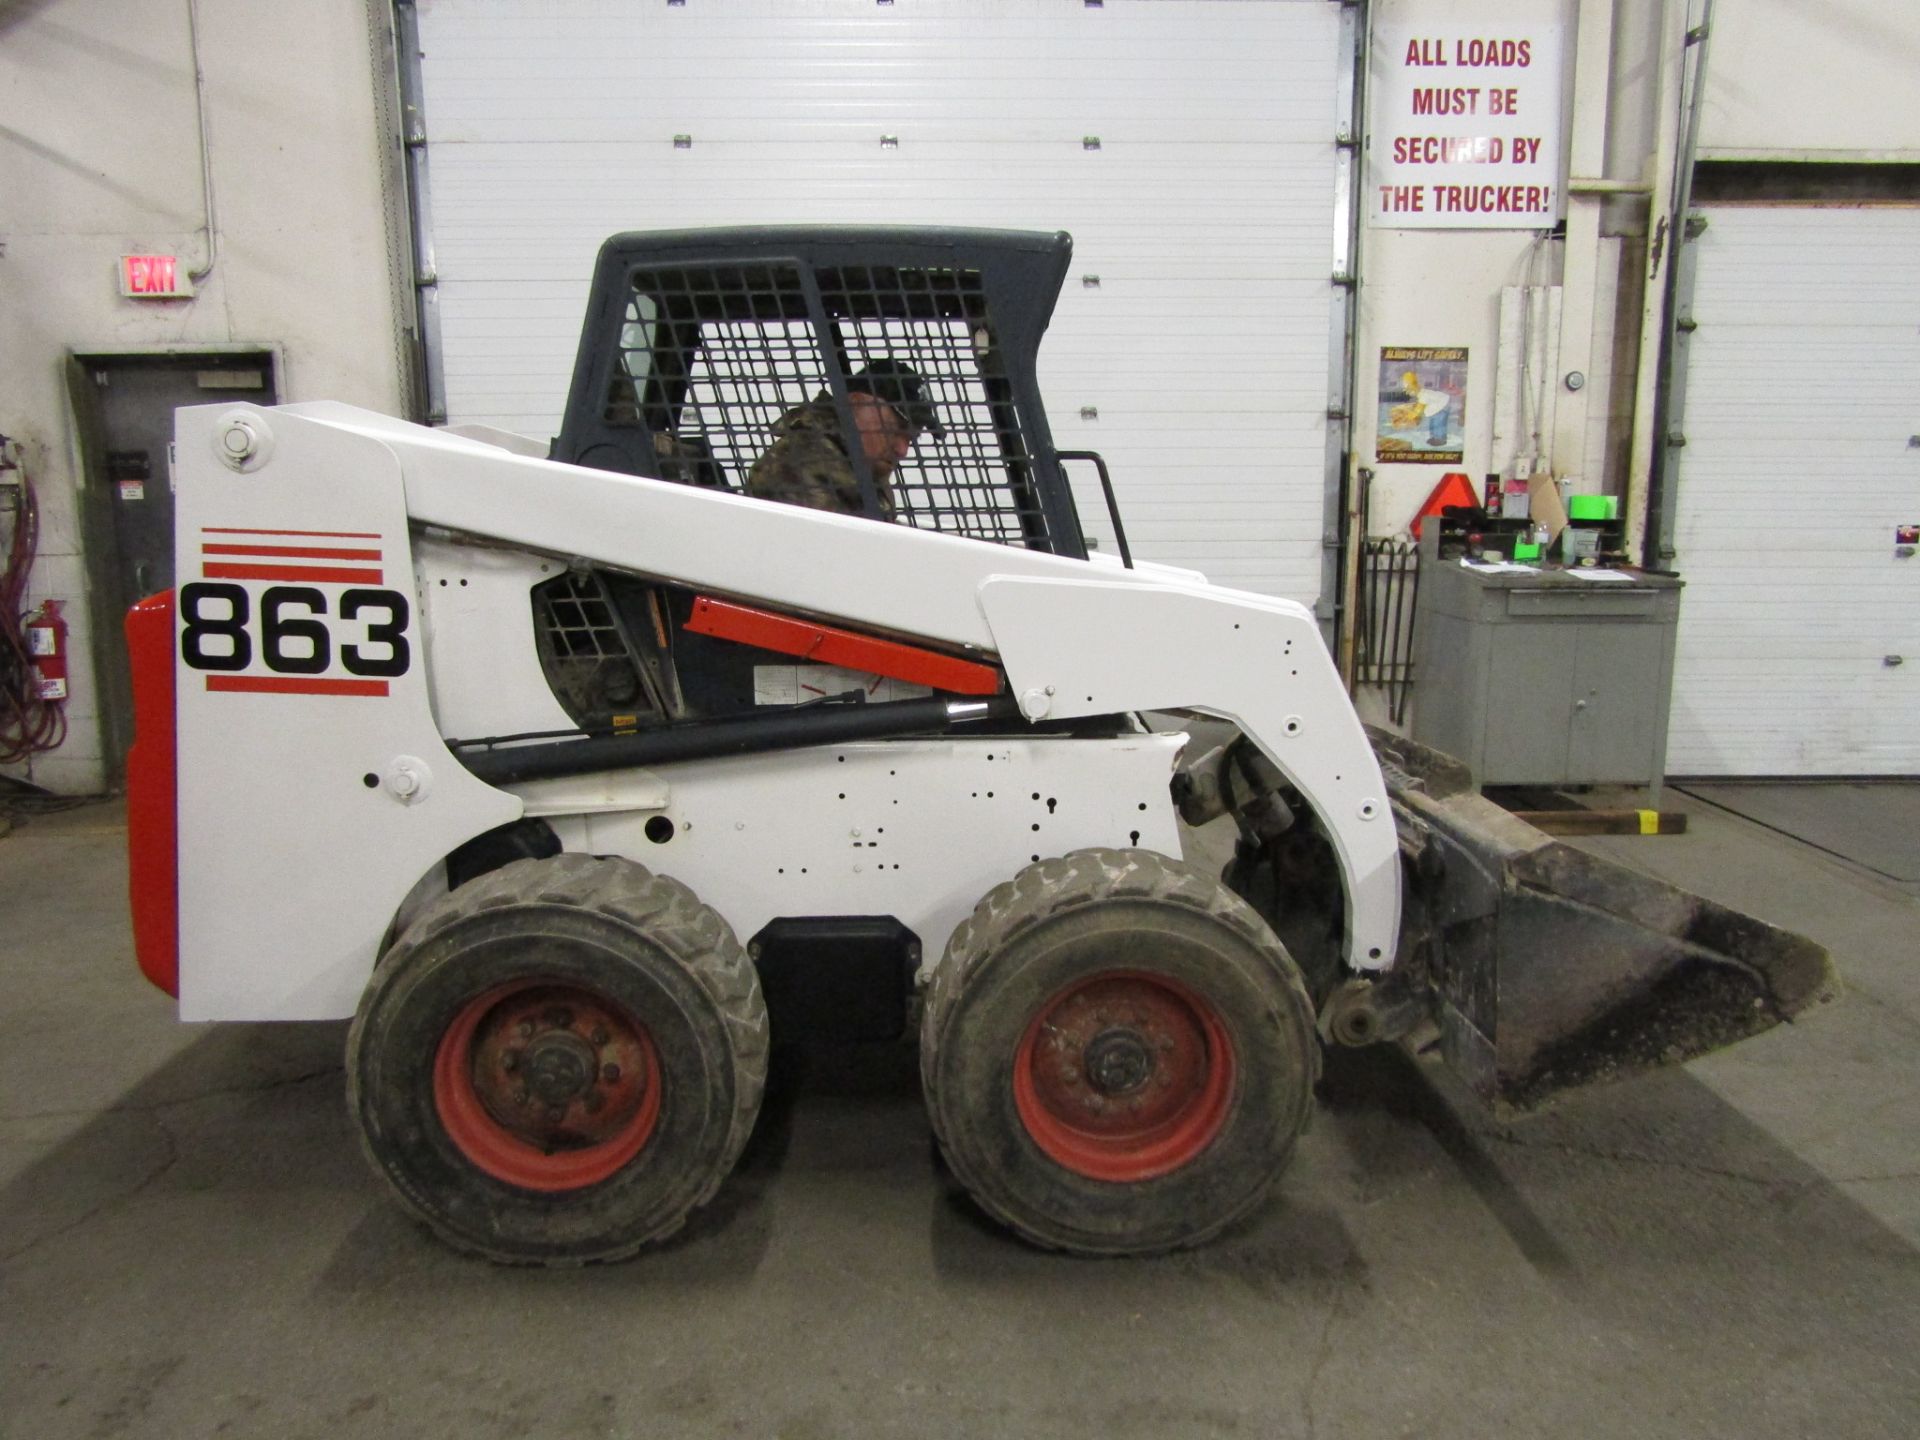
[{"x": 1544, "y": 678}]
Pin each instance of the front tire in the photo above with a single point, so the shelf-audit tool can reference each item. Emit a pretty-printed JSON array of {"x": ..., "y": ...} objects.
[
  {"x": 1117, "y": 1054},
  {"x": 559, "y": 1061}
]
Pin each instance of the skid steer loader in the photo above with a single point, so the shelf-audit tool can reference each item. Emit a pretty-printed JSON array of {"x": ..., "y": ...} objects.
[{"x": 574, "y": 775}]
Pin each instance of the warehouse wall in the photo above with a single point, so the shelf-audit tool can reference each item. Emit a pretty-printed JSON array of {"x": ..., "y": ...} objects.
[
  {"x": 1442, "y": 288},
  {"x": 1783, "y": 80},
  {"x": 99, "y": 157}
]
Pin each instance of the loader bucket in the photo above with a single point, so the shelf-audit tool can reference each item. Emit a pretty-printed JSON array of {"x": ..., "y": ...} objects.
[{"x": 1551, "y": 968}]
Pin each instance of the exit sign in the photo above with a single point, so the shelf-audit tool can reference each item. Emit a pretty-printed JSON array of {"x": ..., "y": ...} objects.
[{"x": 154, "y": 277}]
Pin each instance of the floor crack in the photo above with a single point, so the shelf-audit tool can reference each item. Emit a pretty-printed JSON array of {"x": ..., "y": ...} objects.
[
  {"x": 155, "y": 1107},
  {"x": 1323, "y": 1351},
  {"x": 167, "y": 1162}
]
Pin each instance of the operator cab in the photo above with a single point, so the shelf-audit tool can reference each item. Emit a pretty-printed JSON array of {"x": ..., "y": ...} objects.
[{"x": 697, "y": 342}]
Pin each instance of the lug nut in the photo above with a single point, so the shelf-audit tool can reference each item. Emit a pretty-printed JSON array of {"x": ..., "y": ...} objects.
[
  {"x": 610, "y": 1073},
  {"x": 526, "y": 1029},
  {"x": 525, "y": 1096},
  {"x": 599, "y": 1036},
  {"x": 556, "y": 1113},
  {"x": 510, "y": 1061}
]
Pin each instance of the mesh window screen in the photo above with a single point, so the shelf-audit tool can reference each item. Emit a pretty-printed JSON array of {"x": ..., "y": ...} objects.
[
  {"x": 589, "y": 660},
  {"x": 745, "y": 376},
  {"x": 713, "y": 356},
  {"x": 970, "y": 482}
]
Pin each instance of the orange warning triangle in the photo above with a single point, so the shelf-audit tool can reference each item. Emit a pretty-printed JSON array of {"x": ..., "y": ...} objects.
[{"x": 1454, "y": 489}]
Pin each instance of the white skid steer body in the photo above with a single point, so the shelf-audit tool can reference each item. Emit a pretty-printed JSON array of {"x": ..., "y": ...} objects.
[{"x": 352, "y": 594}]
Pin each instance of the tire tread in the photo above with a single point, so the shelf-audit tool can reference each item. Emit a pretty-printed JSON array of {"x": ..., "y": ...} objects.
[
  {"x": 1059, "y": 886},
  {"x": 675, "y": 920}
]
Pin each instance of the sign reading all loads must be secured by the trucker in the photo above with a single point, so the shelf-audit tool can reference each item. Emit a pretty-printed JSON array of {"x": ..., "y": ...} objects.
[{"x": 1466, "y": 127}]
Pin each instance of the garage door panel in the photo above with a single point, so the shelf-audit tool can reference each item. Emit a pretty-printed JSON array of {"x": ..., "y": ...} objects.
[
  {"x": 1801, "y": 392},
  {"x": 1206, "y": 212},
  {"x": 848, "y": 69},
  {"x": 1790, "y": 540},
  {"x": 521, "y": 211},
  {"x": 1792, "y": 393}
]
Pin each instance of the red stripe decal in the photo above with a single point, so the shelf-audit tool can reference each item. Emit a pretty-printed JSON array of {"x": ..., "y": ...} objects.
[
  {"x": 829, "y": 645},
  {"x": 215, "y": 570},
  {"x": 323, "y": 534},
  {"x": 298, "y": 552},
  {"x": 293, "y": 685}
]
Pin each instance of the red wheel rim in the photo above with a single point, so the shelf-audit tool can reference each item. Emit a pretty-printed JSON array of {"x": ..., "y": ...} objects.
[
  {"x": 546, "y": 1085},
  {"x": 1124, "y": 1076}
]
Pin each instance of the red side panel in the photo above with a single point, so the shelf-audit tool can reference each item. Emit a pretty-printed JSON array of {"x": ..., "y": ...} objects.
[
  {"x": 152, "y": 788},
  {"x": 826, "y": 645}
]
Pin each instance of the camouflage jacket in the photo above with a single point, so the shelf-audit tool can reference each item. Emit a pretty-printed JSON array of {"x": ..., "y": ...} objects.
[{"x": 807, "y": 464}]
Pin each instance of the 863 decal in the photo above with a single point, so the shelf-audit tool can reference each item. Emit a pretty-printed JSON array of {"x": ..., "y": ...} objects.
[
  {"x": 302, "y": 638},
  {"x": 221, "y": 632}
]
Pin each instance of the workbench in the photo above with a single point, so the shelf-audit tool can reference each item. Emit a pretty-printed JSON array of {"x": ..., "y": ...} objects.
[{"x": 1543, "y": 677}]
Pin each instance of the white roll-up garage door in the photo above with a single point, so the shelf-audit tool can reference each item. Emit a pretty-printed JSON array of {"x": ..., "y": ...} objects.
[
  {"x": 1188, "y": 148},
  {"x": 1799, "y": 643}
]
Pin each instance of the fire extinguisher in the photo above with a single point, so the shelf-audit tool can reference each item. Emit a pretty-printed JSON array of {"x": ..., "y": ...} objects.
[{"x": 47, "y": 647}]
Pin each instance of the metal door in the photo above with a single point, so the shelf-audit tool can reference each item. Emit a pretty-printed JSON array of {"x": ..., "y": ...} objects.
[{"x": 124, "y": 406}]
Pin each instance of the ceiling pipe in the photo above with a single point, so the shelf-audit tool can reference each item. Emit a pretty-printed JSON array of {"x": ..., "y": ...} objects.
[{"x": 206, "y": 150}]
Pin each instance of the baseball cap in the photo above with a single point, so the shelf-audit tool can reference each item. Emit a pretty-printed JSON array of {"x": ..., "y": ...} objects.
[{"x": 899, "y": 384}]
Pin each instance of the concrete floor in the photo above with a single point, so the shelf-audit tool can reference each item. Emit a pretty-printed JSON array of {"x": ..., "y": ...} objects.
[{"x": 190, "y": 1244}]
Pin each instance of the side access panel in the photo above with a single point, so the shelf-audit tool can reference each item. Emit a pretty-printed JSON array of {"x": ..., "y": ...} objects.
[
  {"x": 915, "y": 829},
  {"x": 314, "y": 789}
]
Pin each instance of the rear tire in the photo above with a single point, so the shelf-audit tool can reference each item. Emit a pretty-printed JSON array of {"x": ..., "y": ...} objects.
[
  {"x": 1118, "y": 1054},
  {"x": 560, "y": 1061}
]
